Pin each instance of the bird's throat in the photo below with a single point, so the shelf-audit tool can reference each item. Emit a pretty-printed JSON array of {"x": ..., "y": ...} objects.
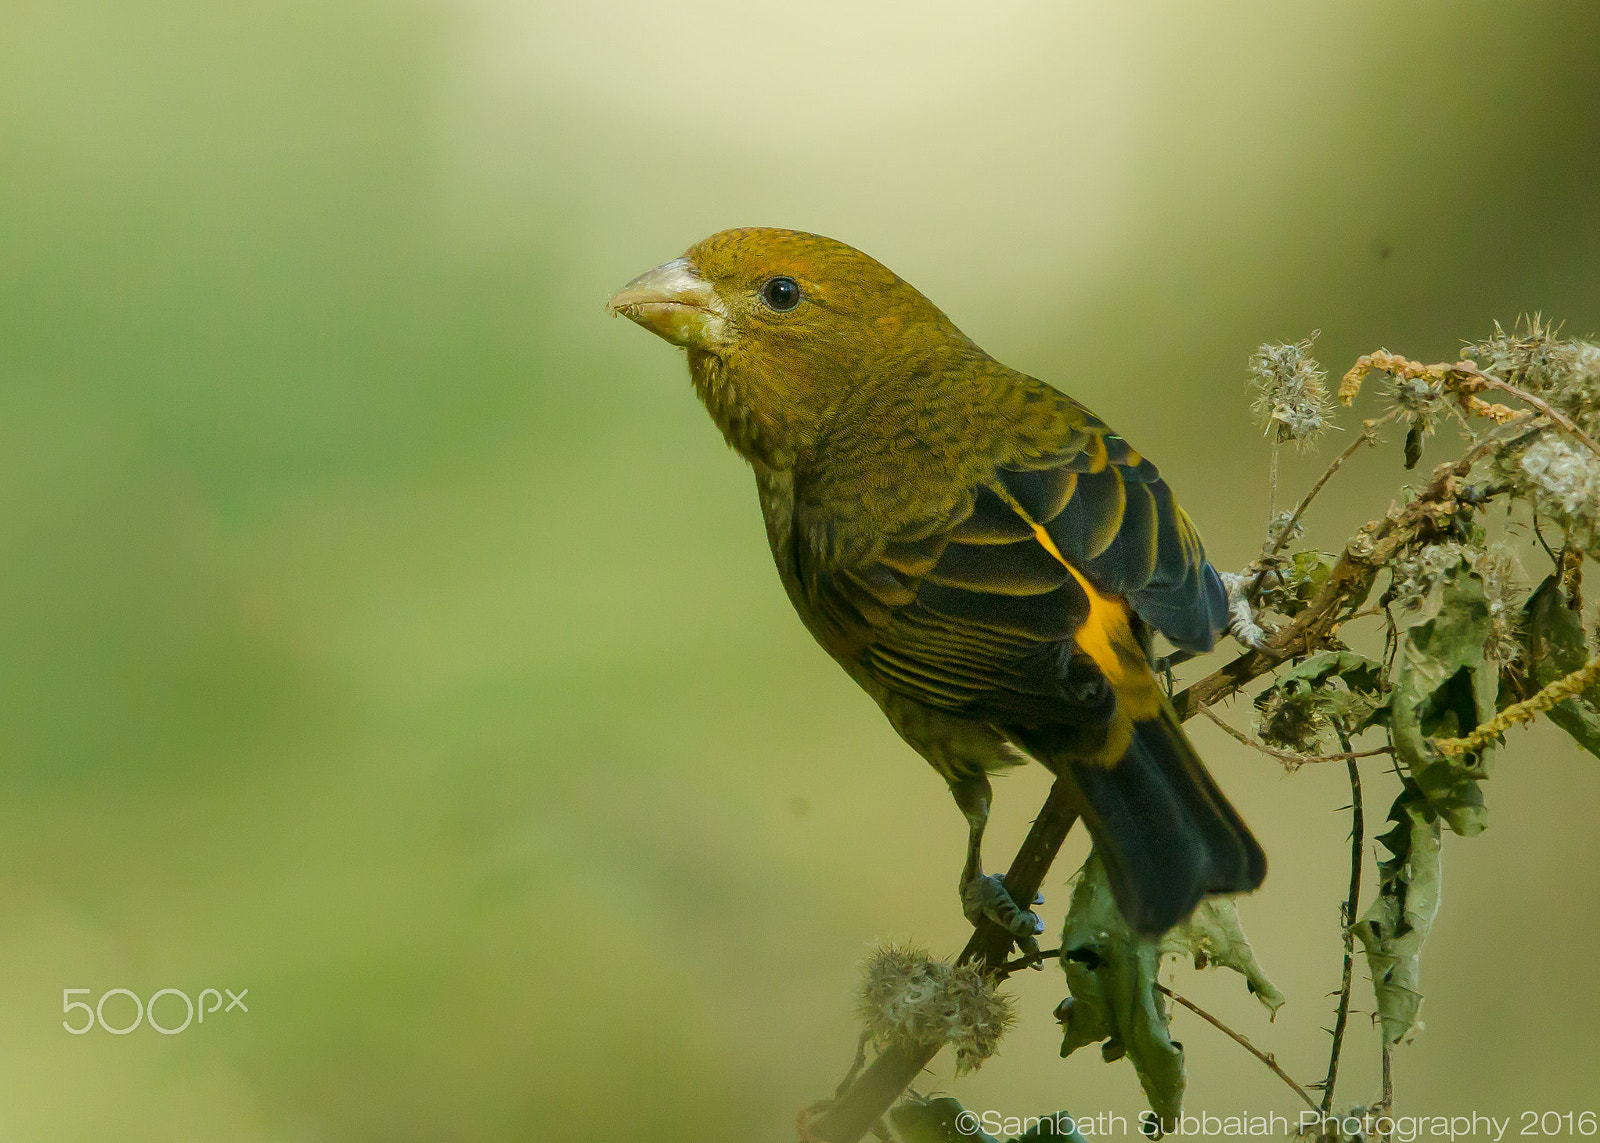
[{"x": 752, "y": 429}]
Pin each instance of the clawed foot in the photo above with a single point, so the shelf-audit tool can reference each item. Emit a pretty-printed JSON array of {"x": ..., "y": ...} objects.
[{"x": 986, "y": 897}]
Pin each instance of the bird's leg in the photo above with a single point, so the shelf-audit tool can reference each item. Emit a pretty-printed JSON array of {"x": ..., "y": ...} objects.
[{"x": 985, "y": 895}]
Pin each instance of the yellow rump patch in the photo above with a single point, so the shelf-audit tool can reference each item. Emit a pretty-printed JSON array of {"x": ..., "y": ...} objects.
[{"x": 1106, "y": 637}]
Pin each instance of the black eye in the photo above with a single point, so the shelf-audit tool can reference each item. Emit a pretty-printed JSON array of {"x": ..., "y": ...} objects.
[{"x": 781, "y": 293}]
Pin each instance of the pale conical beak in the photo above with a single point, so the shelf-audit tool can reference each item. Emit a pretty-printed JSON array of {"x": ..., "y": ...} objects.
[{"x": 675, "y": 303}]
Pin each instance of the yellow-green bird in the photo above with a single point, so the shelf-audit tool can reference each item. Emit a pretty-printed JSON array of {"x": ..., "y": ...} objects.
[{"x": 982, "y": 554}]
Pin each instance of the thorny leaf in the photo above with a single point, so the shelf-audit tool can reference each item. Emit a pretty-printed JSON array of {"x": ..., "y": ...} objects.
[
  {"x": 1112, "y": 975},
  {"x": 1395, "y": 926},
  {"x": 1444, "y": 687},
  {"x": 1213, "y": 935},
  {"x": 1311, "y": 685},
  {"x": 1557, "y": 647},
  {"x": 1359, "y": 672}
]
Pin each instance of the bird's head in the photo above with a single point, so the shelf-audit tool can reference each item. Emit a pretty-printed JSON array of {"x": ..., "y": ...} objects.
[{"x": 782, "y": 327}]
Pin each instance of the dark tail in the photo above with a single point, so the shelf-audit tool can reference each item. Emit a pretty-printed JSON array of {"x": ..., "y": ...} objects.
[{"x": 1166, "y": 834}]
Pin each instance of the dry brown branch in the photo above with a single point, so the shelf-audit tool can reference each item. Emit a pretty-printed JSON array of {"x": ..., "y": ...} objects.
[
  {"x": 1465, "y": 378},
  {"x": 852, "y": 1114},
  {"x": 1434, "y": 512}
]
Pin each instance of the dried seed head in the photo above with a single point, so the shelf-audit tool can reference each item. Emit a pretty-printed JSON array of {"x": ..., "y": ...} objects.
[
  {"x": 1416, "y": 572},
  {"x": 1564, "y": 371},
  {"x": 1418, "y": 396},
  {"x": 1564, "y": 482},
  {"x": 1293, "y": 719},
  {"x": 909, "y": 998},
  {"x": 1291, "y": 393},
  {"x": 1502, "y": 589}
]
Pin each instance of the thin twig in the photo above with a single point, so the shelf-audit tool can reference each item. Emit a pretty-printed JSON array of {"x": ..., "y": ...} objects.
[
  {"x": 855, "y": 1067},
  {"x": 1290, "y": 757},
  {"x": 1264, "y": 1057},
  {"x": 1348, "y": 916},
  {"x": 1272, "y": 483},
  {"x": 1032, "y": 960},
  {"x": 1367, "y": 435}
]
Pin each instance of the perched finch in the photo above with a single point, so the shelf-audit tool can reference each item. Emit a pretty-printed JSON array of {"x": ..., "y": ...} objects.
[{"x": 982, "y": 554}]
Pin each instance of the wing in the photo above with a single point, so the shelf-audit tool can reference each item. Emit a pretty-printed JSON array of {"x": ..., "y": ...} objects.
[
  {"x": 1113, "y": 518},
  {"x": 1014, "y": 606}
]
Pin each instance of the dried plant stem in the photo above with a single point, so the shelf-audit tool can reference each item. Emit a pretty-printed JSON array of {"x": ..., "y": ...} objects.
[
  {"x": 1368, "y": 433},
  {"x": 1572, "y": 576},
  {"x": 1347, "y": 915},
  {"x": 1468, "y": 379},
  {"x": 1272, "y": 484},
  {"x": 1388, "y": 1078},
  {"x": 1563, "y": 688},
  {"x": 856, "y": 1066},
  {"x": 1289, "y": 757},
  {"x": 1032, "y": 960},
  {"x": 1265, "y": 1057}
]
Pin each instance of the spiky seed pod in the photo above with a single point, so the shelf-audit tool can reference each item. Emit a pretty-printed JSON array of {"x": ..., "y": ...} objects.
[
  {"x": 909, "y": 998},
  {"x": 1293, "y": 719},
  {"x": 1564, "y": 482},
  {"x": 1291, "y": 392}
]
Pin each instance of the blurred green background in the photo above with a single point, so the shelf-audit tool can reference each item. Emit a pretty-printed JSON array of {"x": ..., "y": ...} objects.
[{"x": 385, "y": 630}]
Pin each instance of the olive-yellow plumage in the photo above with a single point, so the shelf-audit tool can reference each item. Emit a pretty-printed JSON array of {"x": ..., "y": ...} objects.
[{"x": 979, "y": 551}]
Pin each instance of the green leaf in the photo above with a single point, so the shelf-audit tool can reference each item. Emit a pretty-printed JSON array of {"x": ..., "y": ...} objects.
[
  {"x": 1299, "y": 579},
  {"x": 1444, "y": 687},
  {"x": 1111, "y": 973},
  {"x": 1359, "y": 672},
  {"x": 1213, "y": 935},
  {"x": 1394, "y": 928},
  {"x": 1557, "y": 647}
]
